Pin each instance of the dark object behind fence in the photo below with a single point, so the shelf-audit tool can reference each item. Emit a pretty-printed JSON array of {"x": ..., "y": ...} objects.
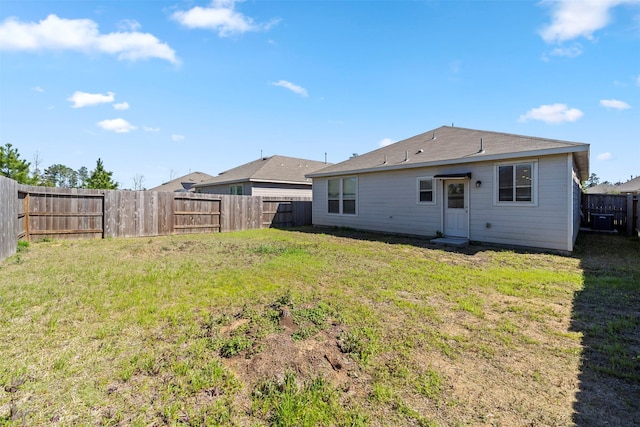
[{"x": 610, "y": 212}]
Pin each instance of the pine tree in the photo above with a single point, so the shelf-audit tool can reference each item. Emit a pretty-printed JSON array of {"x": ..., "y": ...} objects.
[
  {"x": 83, "y": 176},
  {"x": 60, "y": 176},
  {"x": 101, "y": 178},
  {"x": 12, "y": 166}
]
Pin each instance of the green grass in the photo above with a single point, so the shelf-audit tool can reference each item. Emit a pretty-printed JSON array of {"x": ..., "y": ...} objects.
[
  {"x": 315, "y": 402},
  {"x": 187, "y": 330}
]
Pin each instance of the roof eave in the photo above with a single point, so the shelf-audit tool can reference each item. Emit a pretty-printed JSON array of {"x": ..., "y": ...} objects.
[
  {"x": 273, "y": 181},
  {"x": 236, "y": 181},
  {"x": 458, "y": 161},
  {"x": 211, "y": 184}
]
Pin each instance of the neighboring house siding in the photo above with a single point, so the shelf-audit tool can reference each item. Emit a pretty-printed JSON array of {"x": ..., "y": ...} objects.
[
  {"x": 261, "y": 189},
  {"x": 386, "y": 202},
  {"x": 225, "y": 189},
  {"x": 283, "y": 190}
]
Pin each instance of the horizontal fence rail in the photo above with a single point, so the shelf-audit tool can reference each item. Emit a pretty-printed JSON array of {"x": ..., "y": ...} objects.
[{"x": 31, "y": 213}]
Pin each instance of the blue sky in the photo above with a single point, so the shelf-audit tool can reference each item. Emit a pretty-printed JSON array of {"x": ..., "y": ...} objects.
[{"x": 158, "y": 89}]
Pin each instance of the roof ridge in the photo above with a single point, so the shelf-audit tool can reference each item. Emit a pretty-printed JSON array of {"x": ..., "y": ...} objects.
[{"x": 513, "y": 134}]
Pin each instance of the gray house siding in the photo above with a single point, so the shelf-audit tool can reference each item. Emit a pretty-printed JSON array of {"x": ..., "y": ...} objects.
[
  {"x": 541, "y": 226},
  {"x": 387, "y": 202}
]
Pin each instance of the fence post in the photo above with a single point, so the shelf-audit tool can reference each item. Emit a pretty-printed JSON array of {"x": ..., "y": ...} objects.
[
  {"x": 25, "y": 206},
  {"x": 637, "y": 217},
  {"x": 629, "y": 214}
]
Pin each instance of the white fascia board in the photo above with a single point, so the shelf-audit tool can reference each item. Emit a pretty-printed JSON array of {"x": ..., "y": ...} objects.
[{"x": 281, "y": 182}]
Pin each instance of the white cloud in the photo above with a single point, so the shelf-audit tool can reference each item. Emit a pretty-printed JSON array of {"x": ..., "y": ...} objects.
[
  {"x": 37, "y": 89},
  {"x": 129, "y": 25},
  {"x": 117, "y": 125},
  {"x": 222, "y": 17},
  {"x": 84, "y": 99},
  {"x": 177, "y": 138},
  {"x": 605, "y": 156},
  {"x": 569, "y": 52},
  {"x": 82, "y": 35},
  {"x": 614, "y": 104},
  {"x": 638, "y": 80},
  {"x": 385, "y": 142},
  {"x": 554, "y": 113},
  {"x": 121, "y": 106},
  {"x": 571, "y": 19},
  {"x": 292, "y": 87},
  {"x": 150, "y": 129}
]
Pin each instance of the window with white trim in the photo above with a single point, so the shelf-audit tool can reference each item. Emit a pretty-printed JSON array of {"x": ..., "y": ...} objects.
[
  {"x": 236, "y": 190},
  {"x": 516, "y": 183},
  {"x": 426, "y": 190},
  {"x": 342, "y": 195}
]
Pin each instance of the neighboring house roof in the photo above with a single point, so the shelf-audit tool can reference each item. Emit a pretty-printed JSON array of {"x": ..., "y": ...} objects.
[
  {"x": 449, "y": 145},
  {"x": 184, "y": 183},
  {"x": 274, "y": 169},
  {"x": 601, "y": 189},
  {"x": 631, "y": 186}
]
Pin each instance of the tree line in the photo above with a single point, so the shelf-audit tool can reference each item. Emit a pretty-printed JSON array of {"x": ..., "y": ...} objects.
[{"x": 18, "y": 169}]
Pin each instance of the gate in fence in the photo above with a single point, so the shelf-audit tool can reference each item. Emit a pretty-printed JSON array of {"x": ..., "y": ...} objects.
[{"x": 610, "y": 212}]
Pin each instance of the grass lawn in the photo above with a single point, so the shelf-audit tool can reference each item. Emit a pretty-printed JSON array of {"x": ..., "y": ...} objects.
[{"x": 313, "y": 327}]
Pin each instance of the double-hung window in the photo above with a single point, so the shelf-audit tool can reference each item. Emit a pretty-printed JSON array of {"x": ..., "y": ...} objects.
[
  {"x": 516, "y": 183},
  {"x": 236, "y": 189},
  {"x": 342, "y": 195},
  {"x": 426, "y": 190}
]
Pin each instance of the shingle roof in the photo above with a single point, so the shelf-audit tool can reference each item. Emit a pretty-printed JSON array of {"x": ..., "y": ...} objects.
[
  {"x": 184, "y": 183},
  {"x": 631, "y": 186},
  {"x": 453, "y": 145},
  {"x": 278, "y": 169}
]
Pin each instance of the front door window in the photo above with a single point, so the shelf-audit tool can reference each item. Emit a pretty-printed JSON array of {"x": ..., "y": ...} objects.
[{"x": 455, "y": 193}]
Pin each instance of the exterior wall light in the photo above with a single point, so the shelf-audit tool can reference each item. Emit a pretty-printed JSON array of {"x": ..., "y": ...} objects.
[{"x": 478, "y": 184}]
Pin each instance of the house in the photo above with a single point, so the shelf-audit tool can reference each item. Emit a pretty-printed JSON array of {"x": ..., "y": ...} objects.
[
  {"x": 461, "y": 183},
  {"x": 184, "y": 183},
  {"x": 276, "y": 176},
  {"x": 630, "y": 187}
]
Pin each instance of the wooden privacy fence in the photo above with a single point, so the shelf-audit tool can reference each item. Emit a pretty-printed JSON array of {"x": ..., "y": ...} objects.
[
  {"x": 620, "y": 209},
  {"x": 29, "y": 212}
]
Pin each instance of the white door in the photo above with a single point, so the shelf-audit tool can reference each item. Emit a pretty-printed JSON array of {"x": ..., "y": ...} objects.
[{"x": 456, "y": 210}]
